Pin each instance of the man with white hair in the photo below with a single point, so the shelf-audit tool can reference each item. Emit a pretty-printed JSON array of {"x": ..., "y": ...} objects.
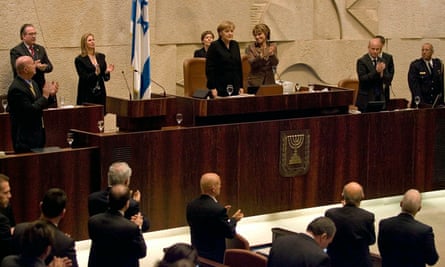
[{"x": 404, "y": 241}]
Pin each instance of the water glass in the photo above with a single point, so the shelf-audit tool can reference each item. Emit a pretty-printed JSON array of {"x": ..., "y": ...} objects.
[
  {"x": 100, "y": 125},
  {"x": 229, "y": 89},
  {"x": 311, "y": 87},
  {"x": 4, "y": 104},
  {"x": 179, "y": 119},
  {"x": 297, "y": 87},
  {"x": 417, "y": 101},
  {"x": 70, "y": 138}
]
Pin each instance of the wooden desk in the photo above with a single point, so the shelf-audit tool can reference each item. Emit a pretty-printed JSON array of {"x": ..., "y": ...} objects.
[
  {"x": 58, "y": 121},
  {"x": 387, "y": 152},
  {"x": 32, "y": 174},
  {"x": 141, "y": 115},
  {"x": 257, "y": 108}
]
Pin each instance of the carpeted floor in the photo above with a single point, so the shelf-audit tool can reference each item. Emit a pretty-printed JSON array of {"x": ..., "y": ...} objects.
[{"x": 256, "y": 229}]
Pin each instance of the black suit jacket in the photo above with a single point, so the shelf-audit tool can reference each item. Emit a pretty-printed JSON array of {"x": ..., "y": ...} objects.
[
  {"x": 372, "y": 87},
  {"x": 5, "y": 236},
  {"x": 116, "y": 241},
  {"x": 21, "y": 261},
  {"x": 63, "y": 244},
  {"x": 200, "y": 53},
  {"x": 209, "y": 227},
  {"x": 223, "y": 67},
  {"x": 98, "y": 203},
  {"x": 403, "y": 241},
  {"x": 298, "y": 250},
  {"x": 88, "y": 79},
  {"x": 26, "y": 112},
  {"x": 355, "y": 232},
  {"x": 425, "y": 84},
  {"x": 39, "y": 54}
]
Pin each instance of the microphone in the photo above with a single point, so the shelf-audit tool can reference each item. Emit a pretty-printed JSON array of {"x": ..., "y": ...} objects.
[
  {"x": 126, "y": 83},
  {"x": 162, "y": 87},
  {"x": 436, "y": 100}
]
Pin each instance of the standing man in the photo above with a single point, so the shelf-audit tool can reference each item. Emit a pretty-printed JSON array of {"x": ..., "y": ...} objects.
[
  {"x": 7, "y": 221},
  {"x": 52, "y": 211},
  {"x": 386, "y": 57},
  {"x": 28, "y": 47},
  {"x": 373, "y": 76},
  {"x": 425, "y": 78},
  {"x": 304, "y": 249},
  {"x": 355, "y": 230},
  {"x": 208, "y": 220},
  {"x": 26, "y": 105},
  {"x": 118, "y": 173},
  {"x": 116, "y": 241},
  {"x": 404, "y": 241}
]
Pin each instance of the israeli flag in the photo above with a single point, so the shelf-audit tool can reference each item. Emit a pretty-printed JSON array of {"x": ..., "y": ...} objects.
[{"x": 140, "y": 49}]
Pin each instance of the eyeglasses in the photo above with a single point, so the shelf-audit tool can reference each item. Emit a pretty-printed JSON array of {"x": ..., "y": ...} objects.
[{"x": 31, "y": 33}]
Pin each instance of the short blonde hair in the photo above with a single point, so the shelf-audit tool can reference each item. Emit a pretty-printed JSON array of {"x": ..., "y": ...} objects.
[
  {"x": 261, "y": 28},
  {"x": 224, "y": 26}
]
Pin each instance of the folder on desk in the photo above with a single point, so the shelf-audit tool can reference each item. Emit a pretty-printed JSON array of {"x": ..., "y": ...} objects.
[{"x": 265, "y": 90}]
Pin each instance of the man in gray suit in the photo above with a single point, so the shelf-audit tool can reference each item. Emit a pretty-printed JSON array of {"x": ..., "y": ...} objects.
[{"x": 404, "y": 241}]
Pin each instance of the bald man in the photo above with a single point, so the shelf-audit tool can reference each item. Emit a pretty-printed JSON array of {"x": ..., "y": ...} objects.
[
  {"x": 208, "y": 220},
  {"x": 373, "y": 76},
  {"x": 404, "y": 241},
  {"x": 355, "y": 230},
  {"x": 26, "y": 104}
]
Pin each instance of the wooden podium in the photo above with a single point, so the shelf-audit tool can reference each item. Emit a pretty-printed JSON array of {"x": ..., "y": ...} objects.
[{"x": 140, "y": 115}]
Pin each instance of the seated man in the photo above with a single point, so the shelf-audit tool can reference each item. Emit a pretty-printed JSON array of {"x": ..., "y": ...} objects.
[
  {"x": 118, "y": 173},
  {"x": 52, "y": 211},
  {"x": 38, "y": 239},
  {"x": 303, "y": 249}
]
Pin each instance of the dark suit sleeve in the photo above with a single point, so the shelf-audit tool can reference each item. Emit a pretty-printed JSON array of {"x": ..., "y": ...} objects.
[
  {"x": 5, "y": 237},
  {"x": 430, "y": 251},
  {"x": 364, "y": 73},
  {"x": 211, "y": 65},
  {"x": 139, "y": 246},
  {"x": 71, "y": 253},
  {"x": 44, "y": 59},
  {"x": 371, "y": 230},
  {"x": 227, "y": 224},
  {"x": 414, "y": 76},
  {"x": 14, "y": 54}
]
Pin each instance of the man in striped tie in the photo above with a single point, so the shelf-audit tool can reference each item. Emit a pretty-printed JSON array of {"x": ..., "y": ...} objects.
[{"x": 29, "y": 47}]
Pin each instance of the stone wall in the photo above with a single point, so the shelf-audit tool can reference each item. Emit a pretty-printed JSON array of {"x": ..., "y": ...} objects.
[{"x": 326, "y": 36}]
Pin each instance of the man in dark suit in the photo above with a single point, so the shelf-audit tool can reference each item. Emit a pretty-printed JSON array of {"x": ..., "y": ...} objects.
[
  {"x": 373, "y": 76},
  {"x": 404, "y": 241},
  {"x": 209, "y": 223},
  {"x": 7, "y": 221},
  {"x": 116, "y": 241},
  {"x": 37, "y": 241},
  {"x": 425, "y": 78},
  {"x": 28, "y": 47},
  {"x": 388, "y": 59},
  {"x": 53, "y": 210},
  {"x": 118, "y": 173},
  {"x": 26, "y": 104},
  {"x": 304, "y": 249},
  {"x": 355, "y": 230}
]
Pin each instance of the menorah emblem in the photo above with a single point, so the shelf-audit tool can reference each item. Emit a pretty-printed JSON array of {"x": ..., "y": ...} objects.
[
  {"x": 295, "y": 141},
  {"x": 294, "y": 152}
]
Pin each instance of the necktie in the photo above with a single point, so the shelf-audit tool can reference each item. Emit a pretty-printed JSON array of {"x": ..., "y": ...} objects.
[
  {"x": 374, "y": 61},
  {"x": 32, "y": 89},
  {"x": 31, "y": 49},
  {"x": 430, "y": 66}
]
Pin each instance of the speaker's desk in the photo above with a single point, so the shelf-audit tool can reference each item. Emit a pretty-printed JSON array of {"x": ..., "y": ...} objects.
[
  {"x": 57, "y": 121},
  {"x": 244, "y": 108}
]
